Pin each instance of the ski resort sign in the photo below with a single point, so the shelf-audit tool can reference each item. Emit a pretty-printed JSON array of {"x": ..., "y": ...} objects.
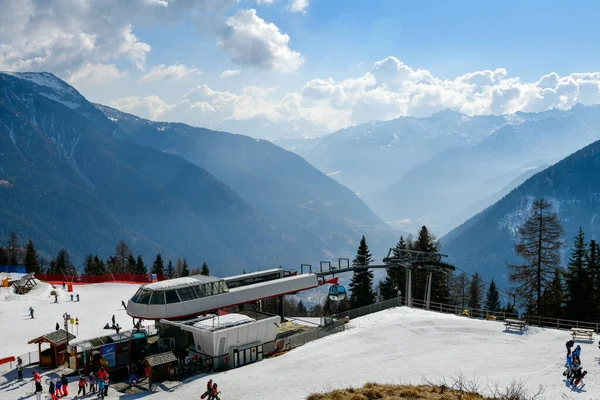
[{"x": 108, "y": 354}]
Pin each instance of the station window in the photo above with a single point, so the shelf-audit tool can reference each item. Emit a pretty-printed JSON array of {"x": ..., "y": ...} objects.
[
  {"x": 171, "y": 296},
  {"x": 187, "y": 294},
  {"x": 144, "y": 297},
  {"x": 157, "y": 298},
  {"x": 136, "y": 295}
]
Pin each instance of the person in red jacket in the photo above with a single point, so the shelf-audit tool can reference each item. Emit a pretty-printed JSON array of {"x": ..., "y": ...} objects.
[{"x": 82, "y": 385}]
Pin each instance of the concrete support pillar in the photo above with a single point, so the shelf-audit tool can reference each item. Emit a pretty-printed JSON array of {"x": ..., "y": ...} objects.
[{"x": 280, "y": 304}]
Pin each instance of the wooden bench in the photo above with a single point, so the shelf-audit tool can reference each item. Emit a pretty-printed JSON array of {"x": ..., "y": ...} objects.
[
  {"x": 514, "y": 323},
  {"x": 582, "y": 333}
]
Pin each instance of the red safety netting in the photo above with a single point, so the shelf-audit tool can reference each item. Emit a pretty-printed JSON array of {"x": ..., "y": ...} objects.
[{"x": 87, "y": 279}]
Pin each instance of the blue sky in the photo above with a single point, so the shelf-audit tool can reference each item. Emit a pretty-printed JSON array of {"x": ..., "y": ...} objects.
[{"x": 160, "y": 58}]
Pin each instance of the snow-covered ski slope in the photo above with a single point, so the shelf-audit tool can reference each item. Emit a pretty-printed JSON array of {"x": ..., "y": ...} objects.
[
  {"x": 399, "y": 345},
  {"x": 98, "y": 303}
]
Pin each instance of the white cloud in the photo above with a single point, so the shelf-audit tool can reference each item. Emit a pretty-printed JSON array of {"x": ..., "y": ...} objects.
[
  {"x": 63, "y": 36},
  {"x": 94, "y": 74},
  {"x": 255, "y": 42},
  {"x": 229, "y": 72},
  {"x": 393, "y": 89},
  {"x": 176, "y": 71},
  {"x": 299, "y": 6},
  {"x": 265, "y": 1},
  {"x": 151, "y": 107}
]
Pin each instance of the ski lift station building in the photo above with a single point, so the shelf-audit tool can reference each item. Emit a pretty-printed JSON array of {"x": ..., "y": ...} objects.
[{"x": 229, "y": 340}]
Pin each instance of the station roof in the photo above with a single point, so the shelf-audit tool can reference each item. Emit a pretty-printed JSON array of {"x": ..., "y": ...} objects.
[
  {"x": 160, "y": 359},
  {"x": 180, "y": 282},
  {"x": 55, "y": 338}
]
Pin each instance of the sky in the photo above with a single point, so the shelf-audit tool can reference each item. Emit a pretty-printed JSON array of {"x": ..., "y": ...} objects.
[{"x": 293, "y": 68}]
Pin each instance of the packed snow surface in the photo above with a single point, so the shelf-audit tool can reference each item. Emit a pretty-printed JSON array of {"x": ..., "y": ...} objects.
[
  {"x": 223, "y": 321},
  {"x": 399, "y": 345},
  {"x": 179, "y": 282},
  {"x": 98, "y": 303}
]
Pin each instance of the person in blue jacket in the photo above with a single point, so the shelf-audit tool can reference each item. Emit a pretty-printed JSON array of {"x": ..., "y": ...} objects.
[{"x": 577, "y": 351}]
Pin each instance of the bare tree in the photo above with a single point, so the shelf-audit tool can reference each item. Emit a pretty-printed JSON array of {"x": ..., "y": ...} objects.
[
  {"x": 476, "y": 289},
  {"x": 458, "y": 286},
  {"x": 178, "y": 268},
  {"x": 122, "y": 253},
  {"x": 539, "y": 244},
  {"x": 12, "y": 246}
]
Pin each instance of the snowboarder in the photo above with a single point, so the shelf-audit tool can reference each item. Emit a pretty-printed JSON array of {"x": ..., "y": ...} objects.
[
  {"x": 577, "y": 377},
  {"x": 77, "y": 296},
  {"x": 569, "y": 345},
  {"x": 214, "y": 395},
  {"x": 64, "y": 286},
  {"x": 57, "y": 326},
  {"x": 125, "y": 307},
  {"x": 71, "y": 296},
  {"x": 113, "y": 320},
  {"x": 208, "y": 389},
  {"x": 31, "y": 311},
  {"x": 56, "y": 297}
]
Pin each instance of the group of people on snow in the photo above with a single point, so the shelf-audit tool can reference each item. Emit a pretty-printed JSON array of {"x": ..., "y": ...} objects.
[
  {"x": 574, "y": 371},
  {"x": 212, "y": 391}
]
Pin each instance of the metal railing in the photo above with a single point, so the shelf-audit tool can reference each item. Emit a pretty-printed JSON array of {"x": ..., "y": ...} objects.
[
  {"x": 540, "y": 321},
  {"x": 33, "y": 357}
]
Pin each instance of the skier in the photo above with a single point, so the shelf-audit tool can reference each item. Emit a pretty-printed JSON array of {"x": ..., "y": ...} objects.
[
  {"x": 569, "y": 345},
  {"x": 113, "y": 321},
  {"x": 77, "y": 296},
  {"x": 82, "y": 385},
  {"x": 71, "y": 296},
  {"x": 64, "y": 286},
  {"x": 31, "y": 311},
  {"x": 56, "y": 298},
  {"x": 125, "y": 307},
  {"x": 57, "y": 326}
]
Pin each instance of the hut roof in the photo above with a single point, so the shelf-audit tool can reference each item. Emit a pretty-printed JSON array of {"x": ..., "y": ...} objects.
[
  {"x": 55, "y": 338},
  {"x": 160, "y": 359}
]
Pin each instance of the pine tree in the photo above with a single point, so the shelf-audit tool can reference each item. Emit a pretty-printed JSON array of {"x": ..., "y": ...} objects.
[
  {"x": 140, "y": 267},
  {"x": 539, "y": 244},
  {"x": 395, "y": 279},
  {"x": 426, "y": 242},
  {"x": 475, "y": 292},
  {"x": 204, "y": 270},
  {"x": 62, "y": 263},
  {"x": 553, "y": 296},
  {"x": 492, "y": 299},
  {"x": 31, "y": 262},
  {"x": 301, "y": 310},
  {"x": 578, "y": 279},
  {"x": 178, "y": 268},
  {"x": 122, "y": 253},
  {"x": 3, "y": 257},
  {"x": 12, "y": 247},
  {"x": 510, "y": 311},
  {"x": 170, "y": 270},
  {"x": 100, "y": 265},
  {"x": 592, "y": 261},
  {"x": 90, "y": 267},
  {"x": 158, "y": 266},
  {"x": 184, "y": 268},
  {"x": 112, "y": 264},
  {"x": 131, "y": 264},
  {"x": 361, "y": 286},
  {"x": 195, "y": 271}
]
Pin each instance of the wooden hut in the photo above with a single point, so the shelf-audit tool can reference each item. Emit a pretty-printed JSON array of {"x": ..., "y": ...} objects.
[
  {"x": 57, "y": 354},
  {"x": 160, "y": 366}
]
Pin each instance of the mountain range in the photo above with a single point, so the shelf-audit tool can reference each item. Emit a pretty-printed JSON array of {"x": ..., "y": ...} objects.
[
  {"x": 485, "y": 242},
  {"x": 84, "y": 176},
  {"x": 443, "y": 169}
]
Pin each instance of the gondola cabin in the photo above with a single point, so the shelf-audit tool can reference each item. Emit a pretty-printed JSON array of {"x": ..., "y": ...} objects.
[{"x": 337, "y": 292}]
